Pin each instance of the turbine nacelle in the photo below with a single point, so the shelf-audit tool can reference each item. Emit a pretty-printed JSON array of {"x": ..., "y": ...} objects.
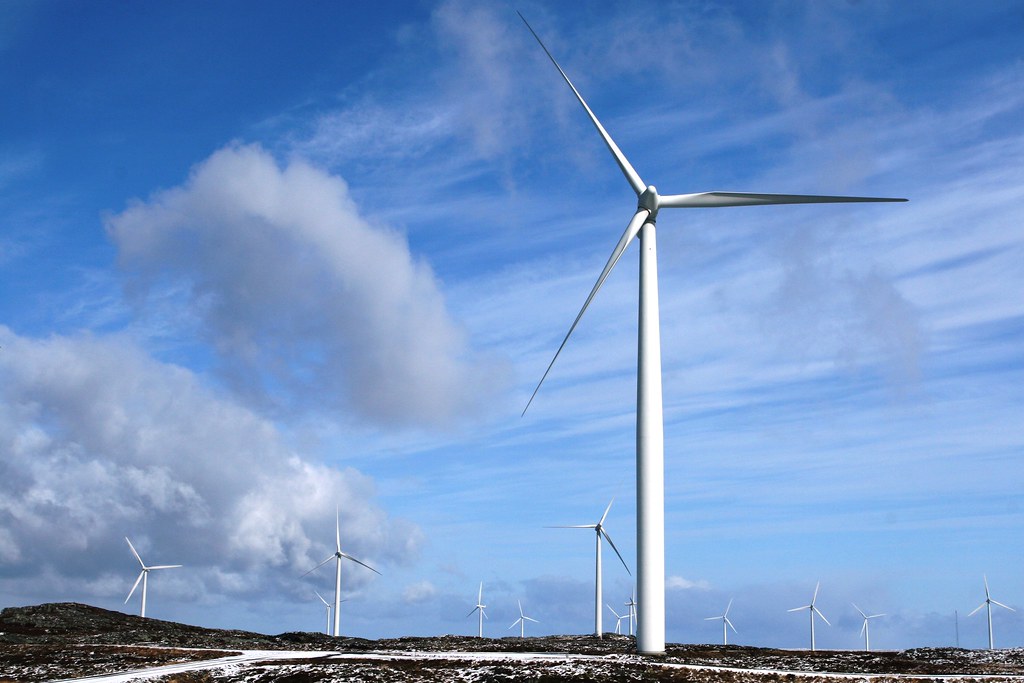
[{"x": 649, "y": 200}]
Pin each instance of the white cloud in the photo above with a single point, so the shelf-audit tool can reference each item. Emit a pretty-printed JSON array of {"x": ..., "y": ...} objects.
[
  {"x": 306, "y": 302},
  {"x": 100, "y": 442},
  {"x": 678, "y": 583},
  {"x": 420, "y": 591}
]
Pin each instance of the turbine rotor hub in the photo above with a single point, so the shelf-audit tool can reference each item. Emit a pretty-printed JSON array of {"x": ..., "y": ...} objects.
[{"x": 649, "y": 200}]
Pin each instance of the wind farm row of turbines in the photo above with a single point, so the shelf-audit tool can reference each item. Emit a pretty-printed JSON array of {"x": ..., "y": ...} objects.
[{"x": 601, "y": 535}]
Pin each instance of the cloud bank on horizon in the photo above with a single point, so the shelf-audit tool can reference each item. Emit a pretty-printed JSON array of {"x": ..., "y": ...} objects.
[{"x": 247, "y": 279}]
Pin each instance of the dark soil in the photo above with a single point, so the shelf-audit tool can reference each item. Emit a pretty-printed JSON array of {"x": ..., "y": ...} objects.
[{"x": 64, "y": 640}]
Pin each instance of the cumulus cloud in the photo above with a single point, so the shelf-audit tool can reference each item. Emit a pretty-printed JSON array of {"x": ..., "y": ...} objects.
[
  {"x": 100, "y": 442},
  {"x": 421, "y": 591},
  {"x": 305, "y": 302}
]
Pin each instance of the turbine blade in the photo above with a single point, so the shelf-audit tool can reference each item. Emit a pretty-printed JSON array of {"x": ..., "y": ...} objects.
[
  {"x": 531, "y": 619},
  {"x": 520, "y": 603},
  {"x": 612, "y": 544},
  {"x": 730, "y": 625},
  {"x": 606, "y": 510},
  {"x": 717, "y": 199},
  {"x": 337, "y": 528},
  {"x": 977, "y": 608},
  {"x": 818, "y": 612},
  {"x": 996, "y": 602},
  {"x": 516, "y": 622},
  {"x": 859, "y": 610},
  {"x": 167, "y": 566},
  {"x": 612, "y": 611},
  {"x": 331, "y": 557},
  {"x": 573, "y": 526},
  {"x": 711, "y": 618},
  {"x": 136, "y": 554},
  {"x": 985, "y": 579},
  {"x": 360, "y": 562},
  {"x": 816, "y": 587},
  {"x": 627, "y": 169},
  {"x": 471, "y": 612},
  {"x": 134, "y": 586},
  {"x": 631, "y": 231},
  {"x": 480, "y": 594},
  {"x": 797, "y": 609},
  {"x": 322, "y": 600},
  {"x": 727, "y": 608},
  {"x": 876, "y": 615},
  {"x": 864, "y": 627}
]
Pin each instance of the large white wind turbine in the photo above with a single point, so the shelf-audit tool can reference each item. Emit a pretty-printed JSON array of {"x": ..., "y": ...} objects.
[
  {"x": 480, "y": 608},
  {"x": 725, "y": 623},
  {"x": 338, "y": 555},
  {"x": 144, "y": 577},
  {"x": 599, "y": 529},
  {"x": 522, "y": 621},
  {"x": 650, "y": 469},
  {"x": 864, "y": 630},
  {"x": 812, "y": 610},
  {"x": 988, "y": 604}
]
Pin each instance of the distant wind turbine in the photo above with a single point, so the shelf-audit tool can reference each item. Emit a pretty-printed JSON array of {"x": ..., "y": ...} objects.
[
  {"x": 618, "y": 619},
  {"x": 631, "y": 606},
  {"x": 144, "y": 577},
  {"x": 650, "y": 457},
  {"x": 988, "y": 605},
  {"x": 726, "y": 624},
  {"x": 812, "y": 610},
  {"x": 599, "y": 529},
  {"x": 338, "y": 556},
  {"x": 522, "y": 621},
  {"x": 864, "y": 630},
  {"x": 479, "y": 608},
  {"x": 327, "y": 628}
]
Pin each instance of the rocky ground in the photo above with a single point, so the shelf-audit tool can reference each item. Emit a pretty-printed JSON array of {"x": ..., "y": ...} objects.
[{"x": 65, "y": 640}]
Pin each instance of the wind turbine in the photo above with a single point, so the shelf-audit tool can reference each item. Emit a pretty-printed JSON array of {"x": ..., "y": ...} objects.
[
  {"x": 599, "y": 529},
  {"x": 522, "y": 621},
  {"x": 144, "y": 577},
  {"x": 864, "y": 629},
  {"x": 327, "y": 628},
  {"x": 480, "y": 608},
  {"x": 338, "y": 555},
  {"x": 725, "y": 623},
  {"x": 812, "y": 610},
  {"x": 618, "y": 619},
  {"x": 988, "y": 604},
  {"x": 650, "y": 467},
  {"x": 631, "y": 606}
]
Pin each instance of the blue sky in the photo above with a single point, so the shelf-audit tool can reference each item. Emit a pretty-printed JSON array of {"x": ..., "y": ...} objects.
[{"x": 259, "y": 260}]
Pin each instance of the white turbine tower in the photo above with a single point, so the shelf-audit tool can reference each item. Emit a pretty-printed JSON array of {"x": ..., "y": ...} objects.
[
  {"x": 521, "y": 621},
  {"x": 599, "y": 529},
  {"x": 631, "y": 606},
  {"x": 812, "y": 610},
  {"x": 726, "y": 624},
  {"x": 479, "y": 608},
  {"x": 338, "y": 555},
  {"x": 327, "y": 628},
  {"x": 618, "y": 619},
  {"x": 650, "y": 468},
  {"x": 864, "y": 630},
  {"x": 988, "y": 605},
  {"x": 144, "y": 577}
]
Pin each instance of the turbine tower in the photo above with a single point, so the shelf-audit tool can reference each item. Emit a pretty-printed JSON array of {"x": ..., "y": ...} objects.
[
  {"x": 599, "y": 529},
  {"x": 144, "y": 577},
  {"x": 725, "y": 623},
  {"x": 988, "y": 605},
  {"x": 864, "y": 630},
  {"x": 812, "y": 610},
  {"x": 521, "y": 621},
  {"x": 650, "y": 468},
  {"x": 338, "y": 555},
  {"x": 480, "y": 608}
]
